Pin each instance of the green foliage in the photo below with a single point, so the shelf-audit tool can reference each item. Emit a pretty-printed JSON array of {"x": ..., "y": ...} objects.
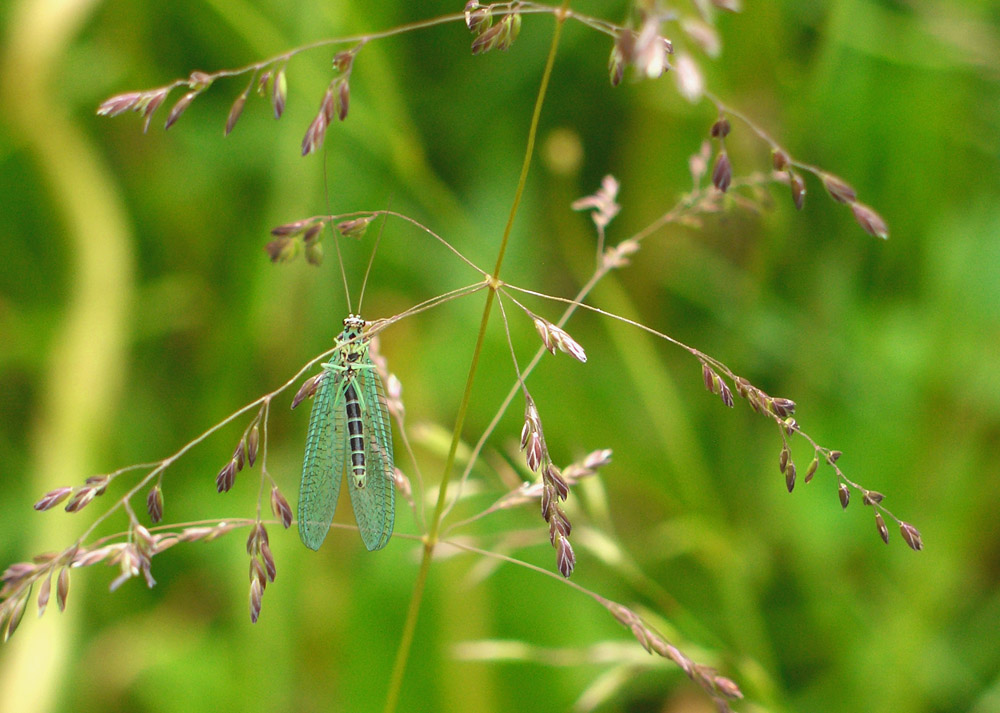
[{"x": 138, "y": 306}]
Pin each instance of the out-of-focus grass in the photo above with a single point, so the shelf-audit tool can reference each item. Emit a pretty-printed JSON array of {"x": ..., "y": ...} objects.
[{"x": 888, "y": 348}]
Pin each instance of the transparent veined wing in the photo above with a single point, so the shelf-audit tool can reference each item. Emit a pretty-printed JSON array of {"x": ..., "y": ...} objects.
[
  {"x": 323, "y": 465},
  {"x": 375, "y": 503}
]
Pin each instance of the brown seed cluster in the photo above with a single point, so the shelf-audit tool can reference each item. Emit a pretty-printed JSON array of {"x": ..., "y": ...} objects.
[
  {"x": 303, "y": 237},
  {"x": 782, "y": 411},
  {"x": 145, "y": 103},
  {"x": 782, "y": 164},
  {"x": 787, "y": 467},
  {"x": 720, "y": 688},
  {"x": 602, "y": 204},
  {"x": 479, "y": 20},
  {"x": 82, "y": 495},
  {"x": 272, "y": 83},
  {"x": 722, "y": 171},
  {"x": 715, "y": 384},
  {"x": 874, "y": 500},
  {"x": 154, "y": 503},
  {"x": 308, "y": 388},
  {"x": 555, "y": 488},
  {"x": 262, "y": 568},
  {"x": 911, "y": 535},
  {"x": 844, "y": 493},
  {"x": 335, "y": 103},
  {"x": 839, "y": 190},
  {"x": 180, "y": 107},
  {"x": 867, "y": 218},
  {"x": 16, "y": 583},
  {"x": 780, "y": 408},
  {"x": 132, "y": 557},
  {"x": 785, "y": 171},
  {"x": 554, "y": 338},
  {"x": 646, "y": 50},
  {"x": 356, "y": 227},
  {"x": 244, "y": 455},
  {"x": 280, "y": 507}
]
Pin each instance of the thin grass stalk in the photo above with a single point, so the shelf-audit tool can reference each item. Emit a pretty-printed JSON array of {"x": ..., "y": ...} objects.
[{"x": 430, "y": 541}]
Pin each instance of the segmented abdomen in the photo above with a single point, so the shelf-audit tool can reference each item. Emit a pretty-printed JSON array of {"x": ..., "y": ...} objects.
[{"x": 355, "y": 432}]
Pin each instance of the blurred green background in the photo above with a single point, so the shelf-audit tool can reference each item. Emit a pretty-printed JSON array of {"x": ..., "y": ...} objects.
[{"x": 138, "y": 307}]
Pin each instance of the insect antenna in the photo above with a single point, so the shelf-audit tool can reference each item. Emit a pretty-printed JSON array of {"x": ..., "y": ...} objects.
[
  {"x": 371, "y": 259},
  {"x": 333, "y": 231}
]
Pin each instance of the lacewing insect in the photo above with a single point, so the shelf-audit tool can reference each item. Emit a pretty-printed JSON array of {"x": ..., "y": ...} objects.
[{"x": 349, "y": 432}]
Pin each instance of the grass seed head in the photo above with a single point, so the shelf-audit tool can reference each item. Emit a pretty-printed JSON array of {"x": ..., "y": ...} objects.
[
  {"x": 294, "y": 228},
  {"x": 282, "y": 249},
  {"x": 533, "y": 452},
  {"x": 565, "y": 557},
  {"x": 487, "y": 39},
  {"x": 256, "y": 594},
  {"x": 911, "y": 535},
  {"x": 43, "y": 594},
  {"x": 811, "y": 470},
  {"x": 308, "y": 388},
  {"x": 239, "y": 455},
  {"x": 722, "y": 173},
  {"x": 798, "y": 190},
  {"x": 721, "y": 128},
  {"x": 790, "y": 476},
  {"x": 268, "y": 558},
  {"x": 872, "y": 497},
  {"x": 120, "y": 103},
  {"x": 478, "y": 18},
  {"x": 782, "y": 407},
  {"x": 81, "y": 499},
  {"x": 52, "y": 498},
  {"x": 779, "y": 159},
  {"x": 343, "y": 62},
  {"x": 253, "y": 443},
  {"x": 356, "y": 227},
  {"x": 845, "y": 495},
  {"x": 542, "y": 327},
  {"x": 872, "y": 222},
  {"x": 838, "y": 189},
  {"x": 555, "y": 479},
  {"x": 226, "y": 477},
  {"x": 279, "y": 93},
  {"x": 180, "y": 107},
  {"x": 314, "y": 253},
  {"x": 62, "y": 588},
  {"x": 234, "y": 113},
  {"x": 343, "y": 98},
  {"x": 616, "y": 66},
  {"x": 280, "y": 507},
  {"x": 883, "y": 531}
]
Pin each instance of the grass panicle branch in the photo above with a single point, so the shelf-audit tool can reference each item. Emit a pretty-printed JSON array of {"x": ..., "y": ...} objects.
[
  {"x": 430, "y": 542},
  {"x": 496, "y": 26},
  {"x": 720, "y": 688}
]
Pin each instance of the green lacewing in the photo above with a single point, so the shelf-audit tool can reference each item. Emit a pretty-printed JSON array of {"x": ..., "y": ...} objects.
[{"x": 349, "y": 431}]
